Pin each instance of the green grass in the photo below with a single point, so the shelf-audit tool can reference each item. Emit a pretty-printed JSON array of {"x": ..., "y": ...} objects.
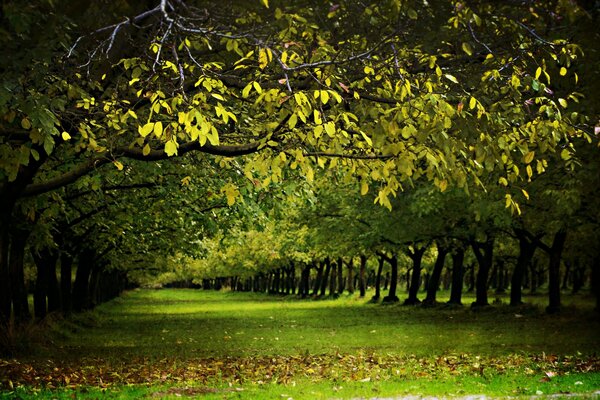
[{"x": 171, "y": 343}]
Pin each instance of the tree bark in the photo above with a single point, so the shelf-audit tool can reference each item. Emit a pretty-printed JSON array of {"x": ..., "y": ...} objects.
[
  {"x": 392, "y": 297},
  {"x": 554, "y": 271},
  {"x": 5, "y": 289},
  {"x": 66, "y": 265},
  {"x": 332, "y": 279},
  {"x": 434, "y": 279},
  {"x": 350, "y": 279},
  {"x": 526, "y": 251},
  {"x": 484, "y": 252},
  {"x": 415, "y": 282},
  {"x": 340, "y": 276},
  {"x": 377, "y": 294},
  {"x": 361, "y": 276},
  {"x": 319, "y": 278},
  {"x": 81, "y": 286},
  {"x": 458, "y": 256},
  {"x": 326, "y": 275},
  {"x": 21, "y": 311},
  {"x": 595, "y": 281}
]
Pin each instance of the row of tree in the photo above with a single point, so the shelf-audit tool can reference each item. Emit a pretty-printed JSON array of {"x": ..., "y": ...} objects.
[{"x": 127, "y": 141}]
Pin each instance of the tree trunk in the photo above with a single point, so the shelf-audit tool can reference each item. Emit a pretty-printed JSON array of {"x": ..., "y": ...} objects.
[
  {"x": 526, "y": 252},
  {"x": 377, "y": 295},
  {"x": 434, "y": 279},
  {"x": 392, "y": 297},
  {"x": 66, "y": 265},
  {"x": 319, "y": 278},
  {"x": 595, "y": 278},
  {"x": 458, "y": 257},
  {"x": 415, "y": 282},
  {"x": 350, "y": 279},
  {"x": 326, "y": 275},
  {"x": 21, "y": 311},
  {"x": 332, "y": 279},
  {"x": 5, "y": 292},
  {"x": 82, "y": 281},
  {"x": 554, "y": 271},
  {"x": 485, "y": 255},
  {"x": 361, "y": 276},
  {"x": 340, "y": 276}
]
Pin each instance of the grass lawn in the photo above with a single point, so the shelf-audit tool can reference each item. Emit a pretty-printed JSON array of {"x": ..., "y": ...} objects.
[{"x": 174, "y": 343}]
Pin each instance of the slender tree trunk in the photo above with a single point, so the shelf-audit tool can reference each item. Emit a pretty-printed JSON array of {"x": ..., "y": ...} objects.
[
  {"x": 595, "y": 281},
  {"x": 361, "y": 276},
  {"x": 566, "y": 275},
  {"x": 66, "y": 265},
  {"x": 554, "y": 271},
  {"x": 41, "y": 288},
  {"x": 392, "y": 297},
  {"x": 5, "y": 289},
  {"x": 53, "y": 293},
  {"x": 458, "y": 257},
  {"x": 81, "y": 286},
  {"x": 485, "y": 255},
  {"x": 326, "y": 274},
  {"x": 319, "y": 278},
  {"x": 526, "y": 252},
  {"x": 340, "y": 276},
  {"x": 17, "y": 276},
  {"x": 332, "y": 279},
  {"x": 434, "y": 279},
  {"x": 415, "y": 283},
  {"x": 350, "y": 279},
  {"x": 377, "y": 295}
]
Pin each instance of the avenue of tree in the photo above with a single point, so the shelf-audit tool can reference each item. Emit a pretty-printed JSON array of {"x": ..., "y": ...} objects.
[{"x": 306, "y": 147}]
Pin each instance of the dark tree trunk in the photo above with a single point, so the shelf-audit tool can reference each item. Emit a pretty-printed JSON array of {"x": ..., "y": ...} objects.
[
  {"x": 340, "y": 276},
  {"x": 361, "y": 276},
  {"x": 565, "y": 280},
  {"x": 526, "y": 252},
  {"x": 326, "y": 275},
  {"x": 458, "y": 257},
  {"x": 350, "y": 279},
  {"x": 332, "y": 279},
  {"x": 415, "y": 283},
  {"x": 21, "y": 311},
  {"x": 5, "y": 289},
  {"x": 485, "y": 255},
  {"x": 318, "y": 279},
  {"x": 392, "y": 297},
  {"x": 66, "y": 265},
  {"x": 434, "y": 279},
  {"x": 595, "y": 281},
  {"x": 304, "y": 282},
  {"x": 377, "y": 295},
  {"x": 54, "y": 303},
  {"x": 82, "y": 281},
  {"x": 41, "y": 287},
  {"x": 554, "y": 271}
]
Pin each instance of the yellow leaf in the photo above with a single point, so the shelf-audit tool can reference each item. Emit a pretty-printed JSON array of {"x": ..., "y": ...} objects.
[
  {"x": 443, "y": 185},
  {"x": 257, "y": 87},
  {"x": 265, "y": 3},
  {"x": 25, "y": 123},
  {"x": 563, "y": 71},
  {"x": 146, "y": 150},
  {"x": 525, "y": 194},
  {"x": 158, "y": 129},
  {"x": 66, "y": 136},
  {"x": 528, "y": 158},
  {"x": 538, "y": 72},
  {"x": 171, "y": 148},
  {"x": 263, "y": 59},
  {"x": 503, "y": 181},
  {"x": 324, "y": 96},
  {"x": 563, "y": 102},
  {"x": 317, "y": 117},
  {"x": 467, "y": 48},
  {"x": 364, "y": 188},
  {"x": 472, "y": 103},
  {"x": 146, "y": 129},
  {"x": 330, "y": 128},
  {"x": 118, "y": 165},
  {"x": 529, "y": 171},
  {"x": 451, "y": 78}
]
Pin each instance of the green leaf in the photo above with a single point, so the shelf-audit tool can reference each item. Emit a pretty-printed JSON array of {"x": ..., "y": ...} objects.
[
  {"x": 146, "y": 150},
  {"x": 412, "y": 14}
]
